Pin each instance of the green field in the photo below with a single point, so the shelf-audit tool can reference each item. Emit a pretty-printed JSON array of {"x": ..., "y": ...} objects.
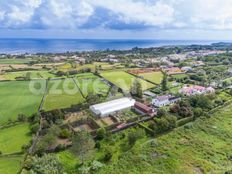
[
  {"x": 62, "y": 94},
  {"x": 31, "y": 74},
  {"x": 18, "y": 97},
  {"x": 10, "y": 165},
  {"x": 155, "y": 77},
  {"x": 124, "y": 80},
  {"x": 179, "y": 76},
  {"x": 68, "y": 160},
  {"x": 200, "y": 147},
  {"x": 89, "y": 83},
  {"x": 14, "y": 61},
  {"x": 12, "y": 138}
]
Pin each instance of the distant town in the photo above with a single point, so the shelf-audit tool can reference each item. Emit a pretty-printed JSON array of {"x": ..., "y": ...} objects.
[{"x": 91, "y": 107}]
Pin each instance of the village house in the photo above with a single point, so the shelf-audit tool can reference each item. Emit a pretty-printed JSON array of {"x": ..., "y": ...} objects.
[
  {"x": 110, "y": 107},
  {"x": 165, "y": 100},
  {"x": 196, "y": 90},
  {"x": 230, "y": 70},
  {"x": 186, "y": 68}
]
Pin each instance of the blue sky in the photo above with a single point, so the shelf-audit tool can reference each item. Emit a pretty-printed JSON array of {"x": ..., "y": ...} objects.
[{"x": 117, "y": 19}]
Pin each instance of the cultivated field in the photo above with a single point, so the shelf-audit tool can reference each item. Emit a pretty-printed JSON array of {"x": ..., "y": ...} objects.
[
  {"x": 200, "y": 147},
  {"x": 18, "y": 97},
  {"x": 10, "y": 165},
  {"x": 89, "y": 83},
  {"x": 124, "y": 80},
  {"x": 29, "y": 74},
  {"x": 155, "y": 77},
  {"x": 12, "y": 138},
  {"x": 62, "y": 94}
]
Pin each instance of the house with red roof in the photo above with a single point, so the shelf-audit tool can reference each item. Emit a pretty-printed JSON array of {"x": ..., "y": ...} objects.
[{"x": 144, "y": 109}]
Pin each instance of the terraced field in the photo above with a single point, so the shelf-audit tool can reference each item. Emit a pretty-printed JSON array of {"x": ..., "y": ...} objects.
[
  {"x": 124, "y": 80},
  {"x": 62, "y": 94},
  {"x": 20, "y": 97}
]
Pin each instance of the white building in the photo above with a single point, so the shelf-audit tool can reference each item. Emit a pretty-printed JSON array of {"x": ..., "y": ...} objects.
[
  {"x": 165, "y": 100},
  {"x": 186, "y": 68},
  {"x": 107, "y": 108}
]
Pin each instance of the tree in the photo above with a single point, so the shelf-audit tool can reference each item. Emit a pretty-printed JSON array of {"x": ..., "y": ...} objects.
[
  {"x": 92, "y": 99},
  {"x": 164, "y": 82},
  {"x": 101, "y": 133},
  {"x": 136, "y": 88},
  {"x": 197, "y": 112},
  {"x": 134, "y": 135},
  {"x": 82, "y": 145},
  {"x": 47, "y": 164},
  {"x": 161, "y": 112},
  {"x": 34, "y": 128},
  {"x": 22, "y": 118}
]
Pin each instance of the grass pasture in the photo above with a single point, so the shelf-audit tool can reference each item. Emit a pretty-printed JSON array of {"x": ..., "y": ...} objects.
[
  {"x": 10, "y": 165},
  {"x": 155, "y": 77},
  {"x": 124, "y": 80},
  {"x": 179, "y": 76},
  {"x": 89, "y": 83},
  {"x": 68, "y": 160},
  {"x": 31, "y": 74},
  {"x": 62, "y": 94},
  {"x": 12, "y": 138},
  {"x": 200, "y": 147},
  {"x": 20, "y": 97},
  {"x": 14, "y": 61}
]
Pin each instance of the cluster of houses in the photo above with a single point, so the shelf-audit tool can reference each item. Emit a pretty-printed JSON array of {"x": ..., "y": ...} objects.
[
  {"x": 116, "y": 106},
  {"x": 196, "y": 90}
]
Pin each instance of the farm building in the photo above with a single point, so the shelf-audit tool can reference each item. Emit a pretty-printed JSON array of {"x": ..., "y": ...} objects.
[
  {"x": 144, "y": 109},
  {"x": 165, "y": 100},
  {"x": 107, "y": 108},
  {"x": 194, "y": 90},
  {"x": 149, "y": 94}
]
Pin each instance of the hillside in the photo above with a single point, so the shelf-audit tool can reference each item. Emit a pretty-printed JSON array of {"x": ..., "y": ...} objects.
[{"x": 200, "y": 147}]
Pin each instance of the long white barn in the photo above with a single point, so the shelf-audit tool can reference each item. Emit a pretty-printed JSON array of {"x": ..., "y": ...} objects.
[{"x": 104, "y": 109}]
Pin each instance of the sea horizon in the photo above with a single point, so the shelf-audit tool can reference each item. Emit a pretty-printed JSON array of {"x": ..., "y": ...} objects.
[{"x": 55, "y": 45}]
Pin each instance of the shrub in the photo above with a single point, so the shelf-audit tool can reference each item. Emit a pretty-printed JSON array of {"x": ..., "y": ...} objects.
[{"x": 64, "y": 133}]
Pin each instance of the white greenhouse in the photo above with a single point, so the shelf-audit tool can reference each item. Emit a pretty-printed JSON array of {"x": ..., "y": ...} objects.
[{"x": 104, "y": 109}]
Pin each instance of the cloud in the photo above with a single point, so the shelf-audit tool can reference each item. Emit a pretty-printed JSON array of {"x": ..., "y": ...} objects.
[{"x": 116, "y": 14}]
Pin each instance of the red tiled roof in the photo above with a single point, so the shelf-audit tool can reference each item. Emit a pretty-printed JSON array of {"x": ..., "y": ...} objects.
[{"x": 143, "y": 107}]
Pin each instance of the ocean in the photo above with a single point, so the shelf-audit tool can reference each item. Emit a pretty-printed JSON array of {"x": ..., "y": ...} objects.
[{"x": 17, "y": 46}]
